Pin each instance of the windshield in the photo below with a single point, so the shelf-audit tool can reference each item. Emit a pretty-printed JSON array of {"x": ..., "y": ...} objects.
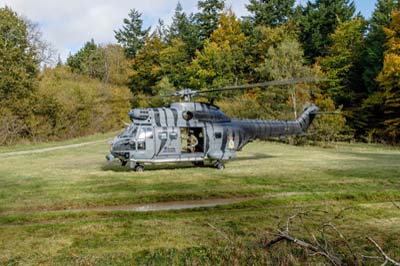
[{"x": 130, "y": 131}]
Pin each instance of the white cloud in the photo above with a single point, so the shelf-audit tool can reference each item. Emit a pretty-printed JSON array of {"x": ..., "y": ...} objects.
[{"x": 69, "y": 24}]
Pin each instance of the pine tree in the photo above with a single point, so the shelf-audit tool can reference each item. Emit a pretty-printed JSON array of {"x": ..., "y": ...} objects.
[
  {"x": 180, "y": 24},
  {"x": 270, "y": 12},
  {"x": 389, "y": 78},
  {"x": 208, "y": 17},
  {"x": 132, "y": 35},
  {"x": 183, "y": 27},
  {"x": 375, "y": 43},
  {"x": 319, "y": 20},
  {"x": 371, "y": 116}
]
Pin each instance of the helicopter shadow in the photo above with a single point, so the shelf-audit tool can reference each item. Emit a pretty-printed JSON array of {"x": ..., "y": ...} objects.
[
  {"x": 116, "y": 167},
  {"x": 153, "y": 167},
  {"x": 255, "y": 156}
]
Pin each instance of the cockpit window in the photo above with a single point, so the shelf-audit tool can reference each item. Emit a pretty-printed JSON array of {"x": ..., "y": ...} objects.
[
  {"x": 145, "y": 132},
  {"x": 130, "y": 131}
]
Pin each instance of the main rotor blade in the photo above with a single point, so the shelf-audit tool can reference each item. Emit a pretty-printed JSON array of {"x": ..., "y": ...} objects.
[{"x": 263, "y": 84}]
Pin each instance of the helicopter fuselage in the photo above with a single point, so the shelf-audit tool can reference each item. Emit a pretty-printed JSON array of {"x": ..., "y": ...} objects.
[{"x": 194, "y": 132}]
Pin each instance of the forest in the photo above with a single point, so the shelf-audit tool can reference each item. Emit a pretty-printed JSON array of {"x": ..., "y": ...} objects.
[{"x": 357, "y": 63}]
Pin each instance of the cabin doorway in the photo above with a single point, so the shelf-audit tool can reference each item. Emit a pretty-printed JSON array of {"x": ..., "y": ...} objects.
[{"x": 192, "y": 140}]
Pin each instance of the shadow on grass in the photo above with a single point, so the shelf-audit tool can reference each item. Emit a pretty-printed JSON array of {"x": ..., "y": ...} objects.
[
  {"x": 152, "y": 167},
  {"x": 255, "y": 156},
  {"x": 117, "y": 167}
]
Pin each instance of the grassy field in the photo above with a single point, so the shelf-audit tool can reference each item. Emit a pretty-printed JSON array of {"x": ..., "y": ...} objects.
[{"x": 280, "y": 180}]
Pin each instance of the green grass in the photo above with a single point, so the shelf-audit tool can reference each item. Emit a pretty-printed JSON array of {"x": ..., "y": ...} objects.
[
  {"x": 32, "y": 146},
  {"x": 289, "y": 178}
]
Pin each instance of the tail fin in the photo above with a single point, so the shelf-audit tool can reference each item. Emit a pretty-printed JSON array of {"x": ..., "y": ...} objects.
[{"x": 307, "y": 117}]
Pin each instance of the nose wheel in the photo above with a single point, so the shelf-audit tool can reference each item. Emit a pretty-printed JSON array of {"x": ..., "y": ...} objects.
[{"x": 219, "y": 165}]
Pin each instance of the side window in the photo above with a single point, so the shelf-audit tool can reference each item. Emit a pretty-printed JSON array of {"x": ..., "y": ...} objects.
[
  {"x": 173, "y": 135},
  {"x": 149, "y": 133},
  {"x": 142, "y": 145},
  {"x": 162, "y": 135},
  {"x": 218, "y": 135}
]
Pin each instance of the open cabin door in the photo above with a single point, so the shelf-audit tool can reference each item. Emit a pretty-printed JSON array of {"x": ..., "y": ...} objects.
[{"x": 192, "y": 140}]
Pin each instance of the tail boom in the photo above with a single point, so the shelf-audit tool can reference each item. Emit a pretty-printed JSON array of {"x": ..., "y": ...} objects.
[{"x": 264, "y": 129}]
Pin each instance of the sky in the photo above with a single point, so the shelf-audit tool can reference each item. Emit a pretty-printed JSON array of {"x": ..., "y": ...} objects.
[{"x": 67, "y": 25}]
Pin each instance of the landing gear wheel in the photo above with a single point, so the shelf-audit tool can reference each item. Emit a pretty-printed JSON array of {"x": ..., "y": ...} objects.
[
  {"x": 123, "y": 163},
  {"x": 219, "y": 166},
  {"x": 139, "y": 168}
]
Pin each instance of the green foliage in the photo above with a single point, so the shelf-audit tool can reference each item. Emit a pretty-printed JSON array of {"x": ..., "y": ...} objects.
[
  {"x": 221, "y": 61},
  {"x": 132, "y": 36},
  {"x": 286, "y": 61},
  {"x": 174, "y": 60},
  {"x": 319, "y": 19},
  {"x": 372, "y": 112},
  {"x": 107, "y": 63},
  {"x": 389, "y": 78},
  {"x": 371, "y": 117},
  {"x": 184, "y": 27},
  {"x": 146, "y": 66},
  {"x": 209, "y": 49},
  {"x": 18, "y": 64},
  {"x": 375, "y": 43},
  {"x": 330, "y": 127},
  {"x": 343, "y": 64},
  {"x": 77, "y": 61},
  {"x": 270, "y": 12},
  {"x": 209, "y": 16},
  {"x": 11, "y": 126},
  {"x": 68, "y": 105}
]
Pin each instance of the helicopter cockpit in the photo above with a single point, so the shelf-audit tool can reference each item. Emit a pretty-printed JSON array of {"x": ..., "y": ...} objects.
[{"x": 131, "y": 141}]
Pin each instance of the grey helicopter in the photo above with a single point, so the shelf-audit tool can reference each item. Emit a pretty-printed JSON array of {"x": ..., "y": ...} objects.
[{"x": 196, "y": 132}]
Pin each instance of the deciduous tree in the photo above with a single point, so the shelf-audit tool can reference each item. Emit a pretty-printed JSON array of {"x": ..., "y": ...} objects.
[
  {"x": 221, "y": 61},
  {"x": 146, "y": 66},
  {"x": 18, "y": 58}
]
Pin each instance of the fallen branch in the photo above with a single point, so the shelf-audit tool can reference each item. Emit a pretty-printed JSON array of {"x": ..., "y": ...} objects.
[
  {"x": 395, "y": 204},
  {"x": 317, "y": 250},
  {"x": 384, "y": 255}
]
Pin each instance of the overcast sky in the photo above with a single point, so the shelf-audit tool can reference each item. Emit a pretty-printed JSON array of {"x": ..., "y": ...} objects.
[{"x": 69, "y": 24}]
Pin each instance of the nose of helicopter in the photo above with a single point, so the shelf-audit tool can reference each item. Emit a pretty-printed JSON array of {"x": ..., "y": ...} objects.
[{"x": 110, "y": 157}]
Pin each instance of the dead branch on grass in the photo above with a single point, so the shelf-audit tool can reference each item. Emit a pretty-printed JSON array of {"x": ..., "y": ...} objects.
[
  {"x": 395, "y": 204},
  {"x": 324, "y": 246},
  {"x": 383, "y": 254},
  {"x": 316, "y": 248}
]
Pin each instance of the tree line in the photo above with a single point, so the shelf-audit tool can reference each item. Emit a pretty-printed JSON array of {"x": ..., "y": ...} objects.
[{"x": 357, "y": 59}]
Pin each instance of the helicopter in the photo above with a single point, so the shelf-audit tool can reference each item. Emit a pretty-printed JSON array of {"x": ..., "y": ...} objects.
[{"x": 196, "y": 132}]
